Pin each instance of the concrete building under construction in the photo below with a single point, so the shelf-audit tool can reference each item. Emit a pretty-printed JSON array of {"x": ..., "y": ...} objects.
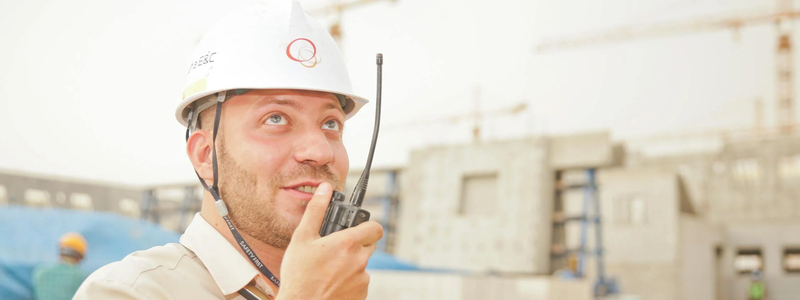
[
  {"x": 564, "y": 217},
  {"x": 36, "y": 190},
  {"x": 673, "y": 226}
]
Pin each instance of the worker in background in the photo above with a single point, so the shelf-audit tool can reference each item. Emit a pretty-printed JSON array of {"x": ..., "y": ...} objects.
[
  {"x": 61, "y": 280},
  {"x": 757, "y": 290},
  {"x": 265, "y": 103}
]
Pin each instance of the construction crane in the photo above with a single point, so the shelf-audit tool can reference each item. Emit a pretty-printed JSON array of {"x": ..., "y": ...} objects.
[
  {"x": 336, "y": 10},
  {"x": 784, "y": 64},
  {"x": 476, "y": 116}
]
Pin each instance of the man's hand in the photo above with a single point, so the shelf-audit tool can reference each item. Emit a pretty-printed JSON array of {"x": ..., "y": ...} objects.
[{"x": 330, "y": 267}]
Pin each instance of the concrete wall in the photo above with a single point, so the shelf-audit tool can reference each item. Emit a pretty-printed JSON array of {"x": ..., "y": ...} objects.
[
  {"x": 655, "y": 240},
  {"x": 393, "y": 285},
  {"x": 515, "y": 238},
  {"x": 582, "y": 151},
  {"x": 651, "y": 281},
  {"x": 771, "y": 239},
  {"x": 747, "y": 180},
  {"x": 695, "y": 171},
  {"x": 748, "y": 184},
  {"x": 698, "y": 269},
  {"x": 641, "y": 253},
  {"x": 751, "y": 189}
]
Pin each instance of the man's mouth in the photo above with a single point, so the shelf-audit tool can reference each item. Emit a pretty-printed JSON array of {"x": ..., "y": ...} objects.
[{"x": 306, "y": 188}]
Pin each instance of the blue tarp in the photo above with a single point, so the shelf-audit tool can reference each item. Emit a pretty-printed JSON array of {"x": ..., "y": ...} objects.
[
  {"x": 384, "y": 261},
  {"x": 29, "y": 238}
]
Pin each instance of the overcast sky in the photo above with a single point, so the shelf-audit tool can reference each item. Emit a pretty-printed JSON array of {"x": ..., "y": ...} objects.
[{"x": 88, "y": 88}]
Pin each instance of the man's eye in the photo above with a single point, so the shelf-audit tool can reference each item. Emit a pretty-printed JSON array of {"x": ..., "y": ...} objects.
[
  {"x": 331, "y": 125},
  {"x": 276, "y": 120}
]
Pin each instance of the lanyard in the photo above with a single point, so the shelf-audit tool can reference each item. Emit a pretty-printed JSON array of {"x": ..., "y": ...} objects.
[
  {"x": 251, "y": 255},
  {"x": 250, "y": 292}
]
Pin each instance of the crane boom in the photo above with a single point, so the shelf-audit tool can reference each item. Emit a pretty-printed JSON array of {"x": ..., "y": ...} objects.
[
  {"x": 784, "y": 58},
  {"x": 339, "y": 7},
  {"x": 628, "y": 33},
  {"x": 509, "y": 110}
]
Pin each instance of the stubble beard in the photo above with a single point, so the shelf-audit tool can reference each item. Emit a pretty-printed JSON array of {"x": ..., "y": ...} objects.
[{"x": 254, "y": 212}]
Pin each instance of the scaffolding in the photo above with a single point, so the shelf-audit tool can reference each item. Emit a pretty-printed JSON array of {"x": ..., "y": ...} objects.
[
  {"x": 171, "y": 206},
  {"x": 571, "y": 263}
]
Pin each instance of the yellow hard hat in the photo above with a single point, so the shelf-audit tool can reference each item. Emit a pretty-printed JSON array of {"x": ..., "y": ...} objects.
[{"x": 72, "y": 244}]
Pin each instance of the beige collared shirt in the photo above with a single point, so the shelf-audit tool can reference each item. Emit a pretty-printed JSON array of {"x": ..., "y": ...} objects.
[{"x": 203, "y": 266}]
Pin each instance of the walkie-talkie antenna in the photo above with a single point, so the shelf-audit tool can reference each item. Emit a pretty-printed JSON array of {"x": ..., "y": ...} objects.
[{"x": 361, "y": 187}]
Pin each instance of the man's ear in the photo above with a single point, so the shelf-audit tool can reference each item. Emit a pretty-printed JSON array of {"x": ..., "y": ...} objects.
[{"x": 198, "y": 148}]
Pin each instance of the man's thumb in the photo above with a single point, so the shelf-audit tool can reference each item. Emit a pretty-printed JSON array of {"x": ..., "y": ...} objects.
[{"x": 315, "y": 211}]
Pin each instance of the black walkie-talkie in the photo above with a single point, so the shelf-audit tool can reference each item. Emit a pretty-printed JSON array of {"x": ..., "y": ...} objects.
[{"x": 341, "y": 215}]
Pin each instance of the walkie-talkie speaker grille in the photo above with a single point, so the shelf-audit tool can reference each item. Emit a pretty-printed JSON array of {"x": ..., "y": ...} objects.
[{"x": 361, "y": 217}]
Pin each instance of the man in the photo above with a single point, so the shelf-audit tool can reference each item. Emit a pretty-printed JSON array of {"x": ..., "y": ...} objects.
[
  {"x": 757, "y": 290},
  {"x": 265, "y": 103},
  {"x": 62, "y": 279}
]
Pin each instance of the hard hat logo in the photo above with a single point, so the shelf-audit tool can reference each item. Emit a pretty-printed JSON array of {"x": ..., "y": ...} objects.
[
  {"x": 305, "y": 52},
  {"x": 202, "y": 60}
]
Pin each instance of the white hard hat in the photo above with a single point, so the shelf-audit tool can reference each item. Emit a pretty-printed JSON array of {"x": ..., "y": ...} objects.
[{"x": 272, "y": 46}]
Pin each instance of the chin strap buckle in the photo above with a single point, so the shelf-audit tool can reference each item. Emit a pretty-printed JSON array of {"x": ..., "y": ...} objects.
[{"x": 221, "y": 207}]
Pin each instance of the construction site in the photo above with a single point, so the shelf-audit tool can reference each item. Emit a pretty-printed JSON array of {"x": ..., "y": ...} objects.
[{"x": 587, "y": 214}]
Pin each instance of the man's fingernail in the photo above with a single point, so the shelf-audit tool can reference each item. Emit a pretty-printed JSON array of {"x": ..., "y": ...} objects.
[{"x": 323, "y": 189}]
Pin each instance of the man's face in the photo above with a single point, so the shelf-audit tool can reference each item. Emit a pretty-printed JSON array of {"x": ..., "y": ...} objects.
[{"x": 275, "y": 148}]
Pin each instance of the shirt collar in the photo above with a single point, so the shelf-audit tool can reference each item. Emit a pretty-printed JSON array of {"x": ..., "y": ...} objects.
[{"x": 229, "y": 268}]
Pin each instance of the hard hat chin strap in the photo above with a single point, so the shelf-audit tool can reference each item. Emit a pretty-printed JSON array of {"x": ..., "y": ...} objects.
[
  {"x": 194, "y": 115},
  {"x": 215, "y": 187},
  {"x": 214, "y": 190}
]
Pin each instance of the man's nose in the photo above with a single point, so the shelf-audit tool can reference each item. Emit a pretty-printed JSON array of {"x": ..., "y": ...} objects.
[{"x": 314, "y": 148}]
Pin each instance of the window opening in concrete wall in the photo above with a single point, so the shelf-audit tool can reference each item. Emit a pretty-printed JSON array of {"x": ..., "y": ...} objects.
[
  {"x": 129, "y": 207},
  {"x": 747, "y": 171},
  {"x": 789, "y": 169},
  {"x": 630, "y": 210},
  {"x": 791, "y": 259},
  {"x": 37, "y": 198},
  {"x": 748, "y": 260},
  {"x": 478, "y": 195},
  {"x": 81, "y": 201},
  {"x": 171, "y": 194},
  {"x": 3, "y": 194}
]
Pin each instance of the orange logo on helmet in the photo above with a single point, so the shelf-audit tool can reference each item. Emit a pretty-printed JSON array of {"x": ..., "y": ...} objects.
[{"x": 304, "y": 51}]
